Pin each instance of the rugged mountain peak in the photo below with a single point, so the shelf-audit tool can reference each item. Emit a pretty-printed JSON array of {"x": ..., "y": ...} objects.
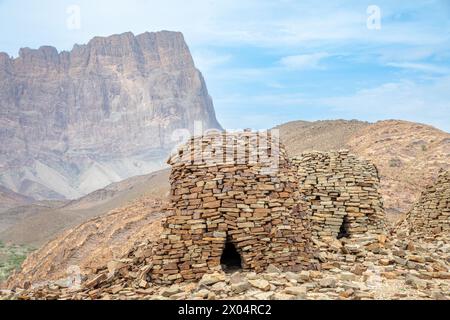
[{"x": 73, "y": 122}]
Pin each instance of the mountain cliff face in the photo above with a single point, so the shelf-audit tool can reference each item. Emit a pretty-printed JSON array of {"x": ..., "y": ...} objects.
[{"x": 73, "y": 122}]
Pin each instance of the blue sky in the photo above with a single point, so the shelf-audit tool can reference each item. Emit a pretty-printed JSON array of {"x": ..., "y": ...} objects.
[{"x": 269, "y": 62}]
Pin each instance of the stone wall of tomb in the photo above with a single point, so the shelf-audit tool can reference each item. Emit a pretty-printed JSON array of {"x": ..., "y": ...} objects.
[
  {"x": 237, "y": 188},
  {"x": 430, "y": 216},
  {"x": 340, "y": 194}
]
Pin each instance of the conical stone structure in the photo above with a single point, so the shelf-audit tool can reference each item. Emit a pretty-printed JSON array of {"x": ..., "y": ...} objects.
[{"x": 231, "y": 190}]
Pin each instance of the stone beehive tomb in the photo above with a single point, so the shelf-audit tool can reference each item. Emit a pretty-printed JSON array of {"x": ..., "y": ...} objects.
[
  {"x": 232, "y": 196},
  {"x": 237, "y": 201},
  {"x": 430, "y": 216},
  {"x": 340, "y": 194}
]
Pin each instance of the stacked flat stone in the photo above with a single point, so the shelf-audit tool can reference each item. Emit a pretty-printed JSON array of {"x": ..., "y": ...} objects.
[
  {"x": 430, "y": 216},
  {"x": 340, "y": 192},
  {"x": 247, "y": 199}
]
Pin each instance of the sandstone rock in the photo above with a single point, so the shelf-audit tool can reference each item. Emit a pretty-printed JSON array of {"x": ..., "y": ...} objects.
[
  {"x": 347, "y": 293},
  {"x": 416, "y": 282},
  {"x": 203, "y": 293},
  {"x": 273, "y": 269},
  {"x": 237, "y": 277},
  {"x": 389, "y": 275},
  {"x": 304, "y": 276},
  {"x": 219, "y": 287},
  {"x": 143, "y": 284},
  {"x": 283, "y": 296},
  {"x": 115, "y": 265},
  {"x": 179, "y": 296},
  {"x": 299, "y": 292},
  {"x": 358, "y": 269},
  {"x": 263, "y": 295},
  {"x": 211, "y": 278},
  {"x": 347, "y": 276},
  {"x": 437, "y": 295},
  {"x": 170, "y": 291},
  {"x": 292, "y": 276},
  {"x": 95, "y": 281},
  {"x": 260, "y": 284},
  {"x": 416, "y": 258},
  {"x": 240, "y": 287},
  {"x": 211, "y": 296},
  {"x": 327, "y": 283}
]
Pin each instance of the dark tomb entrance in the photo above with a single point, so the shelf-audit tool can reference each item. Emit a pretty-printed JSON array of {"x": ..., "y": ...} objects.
[
  {"x": 343, "y": 231},
  {"x": 231, "y": 259}
]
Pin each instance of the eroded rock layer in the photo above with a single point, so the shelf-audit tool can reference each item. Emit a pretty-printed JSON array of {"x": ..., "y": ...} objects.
[{"x": 73, "y": 122}]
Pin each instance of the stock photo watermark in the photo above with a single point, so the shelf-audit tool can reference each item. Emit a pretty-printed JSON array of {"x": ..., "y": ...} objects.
[
  {"x": 73, "y": 21},
  {"x": 374, "y": 17},
  {"x": 215, "y": 147}
]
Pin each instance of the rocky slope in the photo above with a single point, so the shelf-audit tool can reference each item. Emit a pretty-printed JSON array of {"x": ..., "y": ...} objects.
[
  {"x": 73, "y": 122},
  {"x": 390, "y": 268},
  {"x": 326, "y": 135},
  {"x": 38, "y": 223},
  {"x": 94, "y": 243},
  {"x": 25, "y": 213},
  {"x": 408, "y": 155}
]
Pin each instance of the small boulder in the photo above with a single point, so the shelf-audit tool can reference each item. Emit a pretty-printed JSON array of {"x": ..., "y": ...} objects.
[
  {"x": 170, "y": 291},
  {"x": 211, "y": 278},
  {"x": 260, "y": 284},
  {"x": 272, "y": 269}
]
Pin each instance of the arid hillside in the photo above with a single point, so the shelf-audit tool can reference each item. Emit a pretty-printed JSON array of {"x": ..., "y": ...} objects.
[
  {"x": 34, "y": 225},
  {"x": 408, "y": 155},
  {"x": 300, "y": 136},
  {"x": 94, "y": 243}
]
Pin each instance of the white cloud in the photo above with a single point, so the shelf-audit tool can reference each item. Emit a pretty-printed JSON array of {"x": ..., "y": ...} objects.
[
  {"x": 422, "y": 102},
  {"x": 406, "y": 100},
  {"x": 207, "y": 60},
  {"x": 424, "y": 67},
  {"x": 253, "y": 22},
  {"x": 304, "y": 61}
]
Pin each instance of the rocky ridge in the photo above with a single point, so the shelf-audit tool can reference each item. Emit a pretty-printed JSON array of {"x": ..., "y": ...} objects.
[
  {"x": 10, "y": 199},
  {"x": 73, "y": 122}
]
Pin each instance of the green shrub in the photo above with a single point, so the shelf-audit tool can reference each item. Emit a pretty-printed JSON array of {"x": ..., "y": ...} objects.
[{"x": 11, "y": 258}]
